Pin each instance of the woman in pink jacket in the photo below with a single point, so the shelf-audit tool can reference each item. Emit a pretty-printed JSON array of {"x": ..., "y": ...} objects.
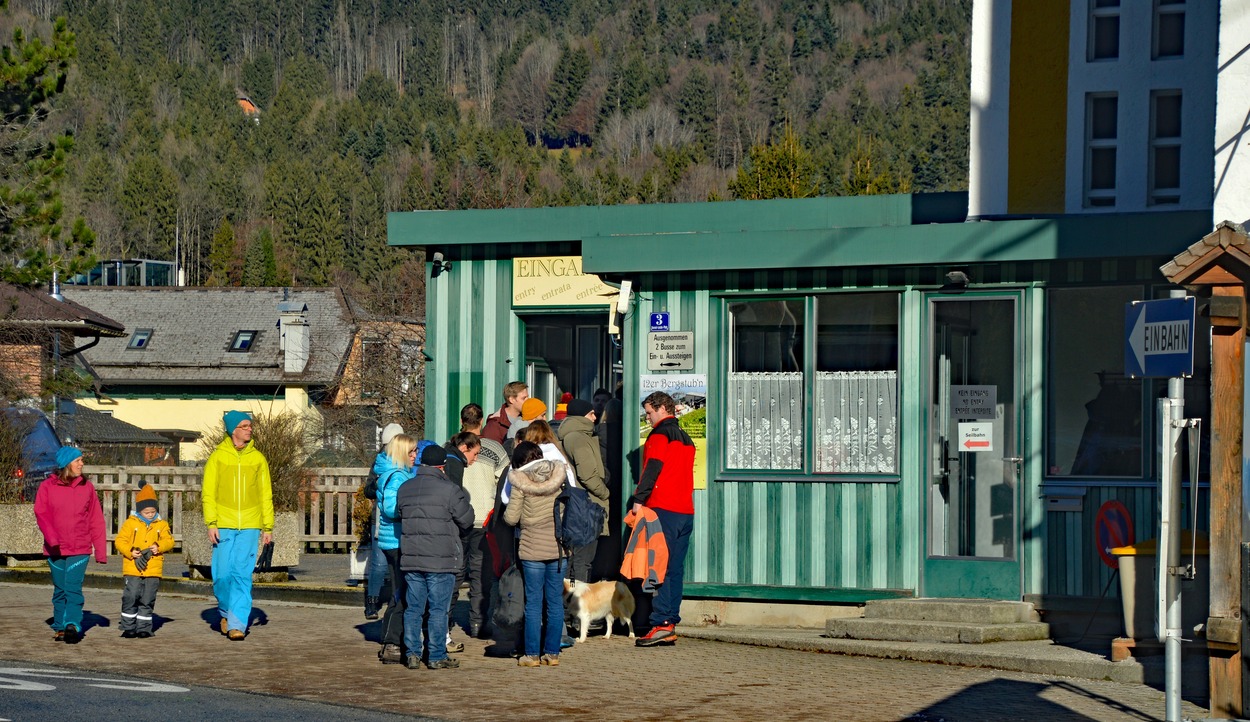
[{"x": 69, "y": 515}]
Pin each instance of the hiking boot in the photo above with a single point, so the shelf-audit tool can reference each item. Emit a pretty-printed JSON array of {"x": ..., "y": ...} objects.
[
  {"x": 389, "y": 654},
  {"x": 143, "y": 635},
  {"x": 224, "y": 626},
  {"x": 236, "y": 635},
  {"x": 72, "y": 635},
  {"x": 129, "y": 634},
  {"x": 528, "y": 661},
  {"x": 372, "y": 606},
  {"x": 454, "y": 647},
  {"x": 59, "y": 636},
  {"x": 659, "y": 634},
  {"x": 447, "y": 663},
  {"x": 413, "y": 662},
  {"x": 550, "y": 660}
]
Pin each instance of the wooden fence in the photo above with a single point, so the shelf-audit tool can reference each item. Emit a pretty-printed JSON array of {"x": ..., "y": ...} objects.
[{"x": 327, "y": 507}]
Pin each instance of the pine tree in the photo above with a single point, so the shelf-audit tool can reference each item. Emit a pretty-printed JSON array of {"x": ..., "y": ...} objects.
[
  {"x": 781, "y": 170},
  {"x": 221, "y": 256}
]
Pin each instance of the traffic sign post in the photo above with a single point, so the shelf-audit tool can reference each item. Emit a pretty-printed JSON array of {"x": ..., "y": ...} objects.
[
  {"x": 1113, "y": 528},
  {"x": 1159, "y": 338}
]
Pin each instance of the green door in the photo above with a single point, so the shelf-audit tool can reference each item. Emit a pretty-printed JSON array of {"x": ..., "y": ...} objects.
[{"x": 974, "y": 411}]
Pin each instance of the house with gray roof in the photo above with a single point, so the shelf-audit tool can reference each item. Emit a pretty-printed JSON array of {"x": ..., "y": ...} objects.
[{"x": 191, "y": 354}]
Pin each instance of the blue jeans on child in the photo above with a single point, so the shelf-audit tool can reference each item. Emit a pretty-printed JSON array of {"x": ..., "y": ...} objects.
[
  {"x": 434, "y": 589},
  {"x": 234, "y": 559},
  {"x": 544, "y": 581},
  {"x": 67, "y": 599}
]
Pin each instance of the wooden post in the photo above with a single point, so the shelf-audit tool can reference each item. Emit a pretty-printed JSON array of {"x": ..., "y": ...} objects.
[{"x": 1218, "y": 267}]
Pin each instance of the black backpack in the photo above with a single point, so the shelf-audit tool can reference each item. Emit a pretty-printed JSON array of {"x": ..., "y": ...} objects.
[{"x": 578, "y": 518}]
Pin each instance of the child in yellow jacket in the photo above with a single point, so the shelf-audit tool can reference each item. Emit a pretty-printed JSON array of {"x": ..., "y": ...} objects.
[{"x": 142, "y": 542}]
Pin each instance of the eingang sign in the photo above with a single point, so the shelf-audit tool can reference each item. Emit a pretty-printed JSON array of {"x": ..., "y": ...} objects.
[{"x": 557, "y": 281}]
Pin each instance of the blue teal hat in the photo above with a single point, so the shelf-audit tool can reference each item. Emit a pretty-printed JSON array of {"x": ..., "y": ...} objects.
[
  {"x": 65, "y": 455},
  {"x": 233, "y": 418}
]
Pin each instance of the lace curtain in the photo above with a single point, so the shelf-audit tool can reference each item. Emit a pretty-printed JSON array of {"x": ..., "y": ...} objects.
[{"x": 856, "y": 421}]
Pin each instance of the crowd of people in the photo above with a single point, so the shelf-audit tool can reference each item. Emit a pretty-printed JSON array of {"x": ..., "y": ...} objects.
[{"x": 464, "y": 511}]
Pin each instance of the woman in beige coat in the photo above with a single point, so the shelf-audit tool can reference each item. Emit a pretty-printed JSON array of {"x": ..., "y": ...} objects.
[{"x": 531, "y": 508}]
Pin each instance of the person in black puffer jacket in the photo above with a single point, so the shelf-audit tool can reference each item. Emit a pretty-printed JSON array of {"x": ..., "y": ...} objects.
[{"x": 433, "y": 512}]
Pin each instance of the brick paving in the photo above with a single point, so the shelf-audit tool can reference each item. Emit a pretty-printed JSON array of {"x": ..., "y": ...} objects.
[{"x": 325, "y": 654}]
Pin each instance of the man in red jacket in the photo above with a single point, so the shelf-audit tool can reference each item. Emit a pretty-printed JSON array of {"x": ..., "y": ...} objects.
[
  {"x": 667, "y": 488},
  {"x": 514, "y": 396}
]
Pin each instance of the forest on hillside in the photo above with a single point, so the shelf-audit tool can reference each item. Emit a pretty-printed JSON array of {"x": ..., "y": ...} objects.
[{"x": 362, "y": 107}]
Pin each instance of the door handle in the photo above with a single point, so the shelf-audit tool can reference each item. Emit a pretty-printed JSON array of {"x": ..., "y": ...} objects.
[{"x": 1016, "y": 459}]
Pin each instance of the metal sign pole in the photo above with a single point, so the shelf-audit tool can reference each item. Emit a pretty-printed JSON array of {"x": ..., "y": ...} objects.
[{"x": 1172, "y": 421}]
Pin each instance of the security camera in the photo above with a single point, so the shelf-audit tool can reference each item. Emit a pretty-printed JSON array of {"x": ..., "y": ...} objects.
[{"x": 438, "y": 265}]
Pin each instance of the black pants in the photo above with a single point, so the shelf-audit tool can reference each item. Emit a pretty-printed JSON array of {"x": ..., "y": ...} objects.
[
  {"x": 393, "y": 621},
  {"x": 583, "y": 558},
  {"x": 481, "y": 574},
  {"x": 138, "y": 598}
]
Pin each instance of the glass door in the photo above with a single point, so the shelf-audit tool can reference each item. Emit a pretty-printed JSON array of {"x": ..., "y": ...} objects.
[{"x": 973, "y": 531}]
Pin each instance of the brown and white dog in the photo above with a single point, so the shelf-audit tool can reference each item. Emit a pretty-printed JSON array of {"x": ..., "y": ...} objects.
[{"x": 610, "y": 600}]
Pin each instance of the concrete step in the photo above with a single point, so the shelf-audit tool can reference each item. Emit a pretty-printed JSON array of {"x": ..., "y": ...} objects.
[
  {"x": 967, "y": 611},
  {"x": 904, "y": 630}
]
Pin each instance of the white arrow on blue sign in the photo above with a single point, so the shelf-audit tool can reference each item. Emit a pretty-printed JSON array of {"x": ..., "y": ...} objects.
[{"x": 1159, "y": 338}]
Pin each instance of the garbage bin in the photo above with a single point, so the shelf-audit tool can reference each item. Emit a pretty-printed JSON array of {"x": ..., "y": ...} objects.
[{"x": 1138, "y": 585}]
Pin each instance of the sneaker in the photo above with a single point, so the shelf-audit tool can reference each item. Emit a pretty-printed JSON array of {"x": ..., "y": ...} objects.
[
  {"x": 550, "y": 660},
  {"x": 224, "y": 626},
  {"x": 129, "y": 634},
  {"x": 565, "y": 641},
  {"x": 389, "y": 654},
  {"x": 72, "y": 635},
  {"x": 447, "y": 663},
  {"x": 528, "y": 661},
  {"x": 59, "y": 636},
  {"x": 413, "y": 662},
  {"x": 455, "y": 647},
  {"x": 143, "y": 635},
  {"x": 236, "y": 635},
  {"x": 659, "y": 634}
]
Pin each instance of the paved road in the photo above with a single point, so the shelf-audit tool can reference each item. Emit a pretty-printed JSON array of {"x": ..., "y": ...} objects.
[
  {"x": 325, "y": 654},
  {"x": 41, "y": 692}
]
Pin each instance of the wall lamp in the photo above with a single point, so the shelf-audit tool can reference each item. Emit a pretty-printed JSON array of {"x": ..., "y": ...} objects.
[
  {"x": 957, "y": 280},
  {"x": 439, "y": 265}
]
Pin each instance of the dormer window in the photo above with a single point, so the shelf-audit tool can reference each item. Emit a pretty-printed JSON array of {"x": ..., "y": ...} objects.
[
  {"x": 243, "y": 341},
  {"x": 140, "y": 338}
]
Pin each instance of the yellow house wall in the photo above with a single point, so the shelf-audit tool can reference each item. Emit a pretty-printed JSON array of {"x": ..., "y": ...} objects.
[
  {"x": 1038, "y": 106},
  {"x": 202, "y": 415}
]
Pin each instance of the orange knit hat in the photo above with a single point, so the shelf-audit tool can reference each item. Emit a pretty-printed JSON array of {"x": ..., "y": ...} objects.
[
  {"x": 532, "y": 409},
  {"x": 145, "y": 498}
]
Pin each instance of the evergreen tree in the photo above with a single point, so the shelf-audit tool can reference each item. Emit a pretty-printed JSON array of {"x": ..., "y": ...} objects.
[
  {"x": 781, "y": 170},
  {"x": 221, "y": 256},
  {"x": 149, "y": 204},
  {"x": 260, "y": 266}
]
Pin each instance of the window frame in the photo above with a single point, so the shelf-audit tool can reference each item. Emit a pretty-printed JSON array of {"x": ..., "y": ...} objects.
[
  {"x": 1171, "y": 195},
  {"x": 1100, "y": 197},
  {"x": 718, "y": 463},
  {"x": 140, "y": 339},
  {"x": 1097, "y": 14},
  {"x": 1163, "y": 8},
  {"x": 252, "y": 336}
]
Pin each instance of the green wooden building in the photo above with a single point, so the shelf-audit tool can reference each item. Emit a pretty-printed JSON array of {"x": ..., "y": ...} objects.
[{"x": 897, "y": 401}]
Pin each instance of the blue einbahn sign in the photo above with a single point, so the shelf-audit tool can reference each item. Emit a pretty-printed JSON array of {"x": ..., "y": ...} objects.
[{"x": 1159, "y": 338}]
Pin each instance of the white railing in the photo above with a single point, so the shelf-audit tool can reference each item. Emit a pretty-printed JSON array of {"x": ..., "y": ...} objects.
[{"x": 327, "y": 506}]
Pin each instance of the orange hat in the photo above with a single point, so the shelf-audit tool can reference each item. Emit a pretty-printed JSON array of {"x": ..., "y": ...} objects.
[
  {"x": 532, "y": 409},
  {"x": 145, "y": 498}
]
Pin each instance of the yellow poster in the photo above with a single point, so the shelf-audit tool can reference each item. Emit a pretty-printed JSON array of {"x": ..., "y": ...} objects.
[
  {"x": 689, "y": 392},
  {"x": 557, "y": 281}
]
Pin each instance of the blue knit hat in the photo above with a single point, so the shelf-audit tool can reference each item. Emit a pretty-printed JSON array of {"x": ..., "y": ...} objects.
[
  {"x": 65, "y": 455},
  {"x": 233, "y": 418}
]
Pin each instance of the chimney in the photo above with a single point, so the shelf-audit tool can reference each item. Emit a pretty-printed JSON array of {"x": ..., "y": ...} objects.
[{"x": 294, "y": 335}]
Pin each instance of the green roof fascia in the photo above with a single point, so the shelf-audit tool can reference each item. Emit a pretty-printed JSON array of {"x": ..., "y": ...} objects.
[
  {"x": 1088, "y": 236},
  {"x": 434, "y": 229}
]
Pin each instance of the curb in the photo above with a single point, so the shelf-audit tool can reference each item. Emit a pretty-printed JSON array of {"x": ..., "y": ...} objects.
[
  {"x": 1047, "y": 659},
  {"x": 286, "y": 592}
]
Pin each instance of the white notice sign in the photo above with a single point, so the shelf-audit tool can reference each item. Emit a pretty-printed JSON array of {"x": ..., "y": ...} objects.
[
  {"x": 974, "y": 402},
  {"x": 976, "y": 436},
  {"x": 670, "y": 351}
]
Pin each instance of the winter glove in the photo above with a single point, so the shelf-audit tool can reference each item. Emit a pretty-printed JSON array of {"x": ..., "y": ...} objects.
[{"x": 141, "y": 563}]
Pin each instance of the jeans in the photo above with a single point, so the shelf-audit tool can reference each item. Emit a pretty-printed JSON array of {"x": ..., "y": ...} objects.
[
  {"x": 666, "y": 606},
  {"x": 393, "y": 620},
  {"x": 234, "y": 559},
  {"x": 433, "y": 589},
  {"x": 67, "y": 599},
  {"x": 375, "y": 569},
  {"x": 544, "y": 581}
]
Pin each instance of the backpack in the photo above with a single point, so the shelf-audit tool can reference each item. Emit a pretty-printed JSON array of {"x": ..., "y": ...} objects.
[
  {"x": 581, "y": 521},
  {"x": 510, "y": 611}
]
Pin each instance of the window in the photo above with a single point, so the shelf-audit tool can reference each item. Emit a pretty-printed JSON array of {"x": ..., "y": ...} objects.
[
  {"x": 243, "y": 340},
  {"x": 1104, "y": 30},
  {"x": 140, "y": 338},
  {"x": 1168, "y": 36},
  {"x": 1094, "y": 423},
  {"x": 847, "y": 391},
  {"x": 409, "y": 365},
  {"x": 1101, "y": 117},
  {"x": 1165, "y": 147}
]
